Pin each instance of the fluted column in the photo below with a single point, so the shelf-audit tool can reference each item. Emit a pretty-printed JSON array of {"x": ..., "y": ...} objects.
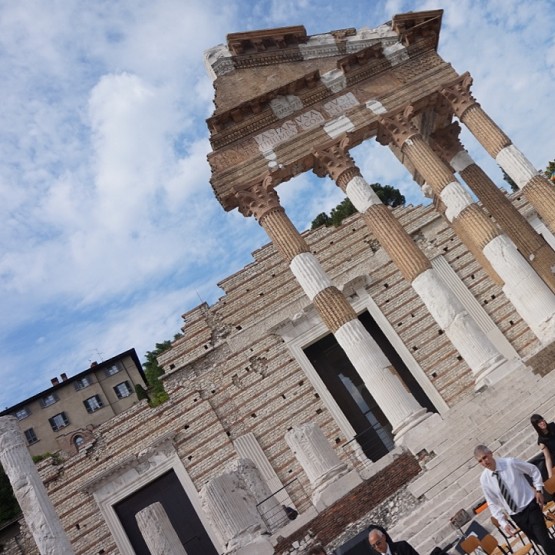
[
  {"x": 39, "y": 513},
  {"x": 329, "y": 476},
  {"x": 531, "y": 244},
  {"x": 313, "y": 451},
  {"x": 232, "y": 509},
  {"x": 479, "y": 353},
  {"x": 399, "y": 406},
  {"x": 537, "y": 189},
  {"x": 530, "y": 296},
  {"x": 158, "y": 532}
]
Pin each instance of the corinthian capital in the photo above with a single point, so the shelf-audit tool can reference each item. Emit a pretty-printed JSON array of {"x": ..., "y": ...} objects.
[
  {"x": 396, "y": 127},
  {"x": 258, "y": 198},
  {"x": 334, "y": 160},
  {"x": 457, "y": 93},
  {"x": 446, "y": 141}
]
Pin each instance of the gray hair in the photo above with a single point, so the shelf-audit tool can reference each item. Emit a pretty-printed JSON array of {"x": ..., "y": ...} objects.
[
  {"x": 375, "y": 531},
  {"x": 480, "y": 450}
]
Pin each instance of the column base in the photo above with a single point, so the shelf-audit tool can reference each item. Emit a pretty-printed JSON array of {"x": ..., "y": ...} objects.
[
  {"x": 258, "y": 545},
  {"x": 410, "y": 422},
  {"x": 498, "y": 371},
  {"x": 328, "y": 494}
]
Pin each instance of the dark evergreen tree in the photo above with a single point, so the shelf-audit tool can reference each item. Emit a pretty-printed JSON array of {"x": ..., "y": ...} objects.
[
  {"x": 507, "y": 178},
  {"x": 386, "y": 193},
  {"x": 9, "y": 508}
]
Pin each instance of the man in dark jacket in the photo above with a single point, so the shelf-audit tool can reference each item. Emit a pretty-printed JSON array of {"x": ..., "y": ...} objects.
[{"x": 378, "y": 542}]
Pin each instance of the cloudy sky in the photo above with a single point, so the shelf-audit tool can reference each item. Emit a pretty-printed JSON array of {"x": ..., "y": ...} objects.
[{"x": 109, "y": 230}]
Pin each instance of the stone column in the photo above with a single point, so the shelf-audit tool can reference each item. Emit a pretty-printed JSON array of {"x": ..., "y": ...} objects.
[
  {"x": 231, "y": 507},
  {"x": 486, "y": 363},
  {"x": 530, "y": 296},
  {"x": 536, "y": 187},
  {"x": 399, "y": 406},
  {"x": 325, "y": 470},
  {"x": 39, "y": 513},
  {"x": 158, "y": 532},
  {"x": 268, "y": 507},
  {"x": 532, "y": 245}
]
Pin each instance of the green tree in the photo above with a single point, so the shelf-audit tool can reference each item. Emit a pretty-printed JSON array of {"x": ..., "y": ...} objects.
[
  {"x": 386, "y": 193},
  {"x": 550, "y": 170},
  {"x": 155, "y": 392},
  {"x": 508, "y": 179},
  {"x": 9, "y": 507}
]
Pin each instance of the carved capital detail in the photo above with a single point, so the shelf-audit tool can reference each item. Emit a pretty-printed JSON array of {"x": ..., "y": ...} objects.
[
  {"x": 446, "y": 141},
  {"x": 335, "y": 160},
  {"x": 396, "y": 127},
  {"x": 258, "y": 199},
  {"x": 458, "y": 94}
]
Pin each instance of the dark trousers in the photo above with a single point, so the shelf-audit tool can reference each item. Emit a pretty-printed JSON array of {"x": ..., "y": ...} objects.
[{"x": 532, "y": 522}]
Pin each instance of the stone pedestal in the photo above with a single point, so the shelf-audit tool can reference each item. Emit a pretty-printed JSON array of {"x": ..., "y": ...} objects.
[
  {"x": 328, "y": 475},
  {"x": 39, "y": 513},
  {"x": 158, "y": 532},
  {"x": 232, "y": 509}
]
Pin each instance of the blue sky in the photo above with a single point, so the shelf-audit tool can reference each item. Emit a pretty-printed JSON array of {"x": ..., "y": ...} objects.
[{"x": 109, "y": 229}]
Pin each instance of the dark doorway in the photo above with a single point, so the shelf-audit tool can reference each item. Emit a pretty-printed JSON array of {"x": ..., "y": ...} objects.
[
  {"x": 166, "y": 489},
  {"x": 372, "y": 429}
]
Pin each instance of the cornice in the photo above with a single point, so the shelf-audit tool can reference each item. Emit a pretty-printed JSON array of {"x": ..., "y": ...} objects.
[{"x": 254, "y": 115}]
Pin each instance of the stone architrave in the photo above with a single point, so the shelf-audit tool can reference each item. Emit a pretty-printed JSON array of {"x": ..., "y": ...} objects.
[
  {"x": 158, "y": 532},
  {"x": 39, "y": 513},
  {"x": 328, "y": 475},
  {"x": 231, "y": 507}
]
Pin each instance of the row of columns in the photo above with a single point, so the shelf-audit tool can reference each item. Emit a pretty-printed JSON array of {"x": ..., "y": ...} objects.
[{"x": 514, "y": 254}]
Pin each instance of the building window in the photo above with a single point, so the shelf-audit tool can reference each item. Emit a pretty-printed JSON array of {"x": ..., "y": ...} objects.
[
  {"x": 111, "y": 370},
  {"x": 123, "y": 389},
  {"x": 30, "y": 436},
  {"x": 85, "y": 381},
  {"x": 78, "y": 441},
  {"x": 48, "y": 400},
  {"x": 22, "y": 413},
  {"x": 59, "y": 421},
  {"x": 93, "y": 403}
]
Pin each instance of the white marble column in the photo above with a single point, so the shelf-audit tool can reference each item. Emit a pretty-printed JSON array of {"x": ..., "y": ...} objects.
[
  {"x": 528, "y": 293},
  {"x": 399, "y": 406},
  {"x": 39, "y": 513},
  {"x": 158, "y": 532},
  {"x": 268, "y": 506},
  {"x": 231, "y": 507},
  {"x": 328, "y": 475}
]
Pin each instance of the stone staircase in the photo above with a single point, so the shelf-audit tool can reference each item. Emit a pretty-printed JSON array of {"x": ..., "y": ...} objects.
[{"x": 497, "y": 417}]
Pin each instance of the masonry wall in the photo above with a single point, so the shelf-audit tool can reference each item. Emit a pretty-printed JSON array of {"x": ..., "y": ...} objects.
[{"x": 232, "y": 373}]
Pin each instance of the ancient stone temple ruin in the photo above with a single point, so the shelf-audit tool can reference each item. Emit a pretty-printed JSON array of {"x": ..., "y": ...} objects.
[{"x": 346, "y": 374}]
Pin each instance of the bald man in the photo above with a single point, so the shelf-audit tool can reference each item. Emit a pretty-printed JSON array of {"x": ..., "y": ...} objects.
[{"x": 378, "y": 542}]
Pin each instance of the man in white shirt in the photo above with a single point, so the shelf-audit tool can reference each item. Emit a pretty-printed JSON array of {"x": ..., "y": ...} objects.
[{"x": 508, "y": 492}]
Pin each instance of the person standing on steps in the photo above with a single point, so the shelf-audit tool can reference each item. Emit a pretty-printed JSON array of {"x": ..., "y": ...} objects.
[
  {"x": 546, "y": 440},
  {"x": 508, "y": 491}
]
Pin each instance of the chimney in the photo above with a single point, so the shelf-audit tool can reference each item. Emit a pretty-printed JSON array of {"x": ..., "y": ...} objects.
[
  {"x": 55, "y": 381},
  {"x": 63, "y": 375},
  {"x": 94, "y": 363}
]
